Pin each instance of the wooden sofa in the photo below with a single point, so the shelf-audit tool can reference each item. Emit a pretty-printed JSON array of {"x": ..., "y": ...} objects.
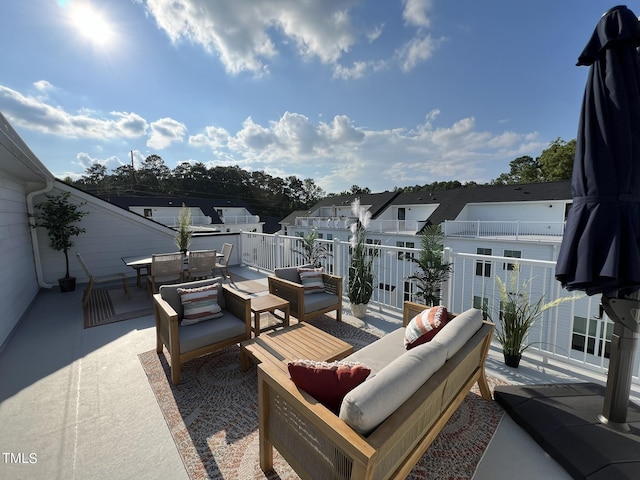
[
  {"x": 187, "y": 343},
  {"x": 318, "y": 444},
  {"x": 285, "y": 283}
]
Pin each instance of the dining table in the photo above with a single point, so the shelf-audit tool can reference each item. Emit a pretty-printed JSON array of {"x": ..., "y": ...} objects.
[{"x": 140, "y": 262}]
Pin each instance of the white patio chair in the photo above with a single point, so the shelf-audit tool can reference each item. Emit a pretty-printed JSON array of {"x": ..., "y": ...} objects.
[
  {"x": 223, "y": 264},
  {"x": 93, "y": 280}
]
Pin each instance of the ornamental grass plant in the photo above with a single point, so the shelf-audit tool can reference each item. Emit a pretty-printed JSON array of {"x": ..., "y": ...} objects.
[{"x": 360, "y": 286}]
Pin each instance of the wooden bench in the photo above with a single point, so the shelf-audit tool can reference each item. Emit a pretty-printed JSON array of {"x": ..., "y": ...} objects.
[{"x": 317, "y": 443}]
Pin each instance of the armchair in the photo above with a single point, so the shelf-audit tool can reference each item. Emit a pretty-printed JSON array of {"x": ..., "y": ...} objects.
[
  {"x": 185, "y": 343},
  {"x": 285, "y": 283}
]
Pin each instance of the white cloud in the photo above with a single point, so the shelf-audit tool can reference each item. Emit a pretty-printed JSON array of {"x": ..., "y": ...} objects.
[
  {"x": 415, "y": 12},
  {"x": 166, "y": 131},
  {"x": 35, "y": 114},
  {"x": 415, "y": 51}
]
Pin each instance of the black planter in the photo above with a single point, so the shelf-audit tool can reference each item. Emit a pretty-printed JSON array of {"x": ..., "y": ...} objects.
[
  {"x": 512, "y": 360},
  {"x": 67, "y": 284}
]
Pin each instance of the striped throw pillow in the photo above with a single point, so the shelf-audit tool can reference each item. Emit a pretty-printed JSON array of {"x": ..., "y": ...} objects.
[
  {"x": 424, "y": 326},
  {"x": 199, "y": 304},
  {"x": 311, "y": 279}
]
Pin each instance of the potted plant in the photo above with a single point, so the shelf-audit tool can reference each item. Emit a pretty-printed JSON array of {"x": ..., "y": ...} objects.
[
  {"x": 518, "y": 314},
  {"x": 183, "y": 235},
  {"x": 433, "y": 270},
  {"x": 312, "y": 252},
  {"x": 360, "y": 285},
  {"x": 58, "y": 215}
]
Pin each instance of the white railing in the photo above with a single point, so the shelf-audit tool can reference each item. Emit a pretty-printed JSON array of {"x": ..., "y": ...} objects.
[
  {"x": 573, "y": 332},
  {"x": 375, "y": 226},
  {"x": 173, "y": 220},
  {"x": 237, "y": 219},
  {"x": 504, "y": 229}
]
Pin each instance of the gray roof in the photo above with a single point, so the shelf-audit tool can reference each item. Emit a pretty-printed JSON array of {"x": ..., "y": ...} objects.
[
  {"x": 451, "y": 202},
  {"x": 378, "y": 201}
]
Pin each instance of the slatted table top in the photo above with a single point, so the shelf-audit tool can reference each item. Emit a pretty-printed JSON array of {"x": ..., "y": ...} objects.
[{"x": 300, "y": 341}]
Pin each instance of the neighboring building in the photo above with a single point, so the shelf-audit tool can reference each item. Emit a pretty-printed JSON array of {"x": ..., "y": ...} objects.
[{"x": 207, "y": 215}]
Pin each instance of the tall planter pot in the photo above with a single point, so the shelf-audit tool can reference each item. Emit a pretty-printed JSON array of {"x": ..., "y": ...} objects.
[
  {"x": 511, "y": 360},
  {"x": 359, "y": 310},
  {"x": 67, "y": 284}
]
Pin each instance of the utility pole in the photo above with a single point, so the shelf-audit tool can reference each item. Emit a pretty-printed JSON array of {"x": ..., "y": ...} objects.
[{"x": 133, "y": 172}]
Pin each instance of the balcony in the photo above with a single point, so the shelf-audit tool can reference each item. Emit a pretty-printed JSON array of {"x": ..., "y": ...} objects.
[
  {"x": 507, "y": 230},
  {"x": 79, "y": 399},
  {"x": 407, "y": 227},
  {"x": 240, "y": 219}
]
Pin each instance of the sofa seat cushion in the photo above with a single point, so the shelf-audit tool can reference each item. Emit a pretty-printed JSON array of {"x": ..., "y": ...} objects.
[
  {"x": 169, "y": 293},
  {"x": 382, "y": 352},
  {"x": 318, "y": 301},
  {"x": 207, "y": 333},
  {"x": 370, "y": 403},
  {"x": 459, "y": 330}
]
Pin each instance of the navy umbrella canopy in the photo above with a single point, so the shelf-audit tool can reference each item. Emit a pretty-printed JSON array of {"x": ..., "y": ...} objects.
[{"x": 600, "y": 250}]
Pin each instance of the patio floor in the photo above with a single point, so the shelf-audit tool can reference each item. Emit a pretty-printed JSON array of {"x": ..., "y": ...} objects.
[{"x": 75, "y": 402}]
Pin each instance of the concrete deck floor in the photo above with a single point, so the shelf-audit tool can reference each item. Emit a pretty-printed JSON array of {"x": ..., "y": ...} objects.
[{"x": 76, "y": 404}]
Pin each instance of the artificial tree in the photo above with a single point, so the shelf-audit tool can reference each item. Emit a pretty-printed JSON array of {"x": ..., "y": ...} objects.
[{"x": 59, "y": 216}]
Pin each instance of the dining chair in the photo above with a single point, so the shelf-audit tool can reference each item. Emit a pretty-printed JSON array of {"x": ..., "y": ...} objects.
[
  {"x": 165, "y": 268},
  {"x": 223, "y": 264},
  {"x": 201, "y": 264},
  {"x": 93, "y": 280}
]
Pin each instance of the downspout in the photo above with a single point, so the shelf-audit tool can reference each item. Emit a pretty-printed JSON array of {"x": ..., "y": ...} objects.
[{"x": 34, "y": 233}]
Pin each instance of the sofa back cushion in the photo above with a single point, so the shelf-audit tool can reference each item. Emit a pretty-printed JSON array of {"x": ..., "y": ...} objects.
[
  {"x": 370, "y": 403},
  {"x": 169, "y": 293},
  {"x": 290, "y": 273},
  {"x": 459, "y": 330}
]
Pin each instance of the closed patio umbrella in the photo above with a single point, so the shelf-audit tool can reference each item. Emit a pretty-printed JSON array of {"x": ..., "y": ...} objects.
[{"x": 600, "y": 251}]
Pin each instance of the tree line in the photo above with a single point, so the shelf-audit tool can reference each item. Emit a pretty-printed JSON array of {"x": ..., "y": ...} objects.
[{"x": 270, "y": 196}]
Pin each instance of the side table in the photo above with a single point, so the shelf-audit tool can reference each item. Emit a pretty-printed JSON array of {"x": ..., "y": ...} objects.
[{"x": 268, "y": 303}]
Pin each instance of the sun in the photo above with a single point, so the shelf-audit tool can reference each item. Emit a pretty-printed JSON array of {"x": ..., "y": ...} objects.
[{"x": 91, "y": 23}]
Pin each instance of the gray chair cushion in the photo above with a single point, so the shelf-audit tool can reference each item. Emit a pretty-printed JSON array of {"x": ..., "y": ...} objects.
[
  {"x": 318, "y": 301},
  {"x": 169, "y": 293},
  {"x": 290, "y": 273},
  {"x": 209, "y": 332}
]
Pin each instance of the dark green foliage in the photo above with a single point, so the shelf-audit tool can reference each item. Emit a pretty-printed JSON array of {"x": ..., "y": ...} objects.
[{"x": 433, "y": 269}]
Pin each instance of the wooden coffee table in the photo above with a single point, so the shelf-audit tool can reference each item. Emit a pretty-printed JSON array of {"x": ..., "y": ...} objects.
[
  {"x": 268, "y": 303},
  {"x": 300, "y": 341}
]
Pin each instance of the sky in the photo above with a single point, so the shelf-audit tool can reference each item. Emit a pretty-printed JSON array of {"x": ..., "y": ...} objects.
[{"x": 379, "y": 94}]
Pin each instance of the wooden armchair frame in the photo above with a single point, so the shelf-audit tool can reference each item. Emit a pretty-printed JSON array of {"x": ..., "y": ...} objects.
[
  {"x": 168, "y": 332},
  {"x": 294, "y": 293}
]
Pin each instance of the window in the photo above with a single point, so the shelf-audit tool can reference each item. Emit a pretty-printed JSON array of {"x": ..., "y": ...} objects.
[
  {"x": 483, "y": 269},
  {"x": 481, "y": 303},
  {"x": 329, "y": 236},
  {"x": 402, "y": 213},
  {"x": 592, "y": 336},
  {"x": 405, "y": 255},
  {"x": 511, "y": 254},
  {"x": 148, "y": 212},
  {"x": 409, "y": 290}
]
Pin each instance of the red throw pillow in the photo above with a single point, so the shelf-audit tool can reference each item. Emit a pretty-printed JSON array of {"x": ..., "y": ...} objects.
[
  {"x": 424, "y": 326},
  {"x": 328, "y": 382}
]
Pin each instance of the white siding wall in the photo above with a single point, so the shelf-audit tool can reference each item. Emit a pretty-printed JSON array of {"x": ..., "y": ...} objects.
[
  {"x": 17, "y": 270},
  {"x": 523, "y": 211},
  {"x": 113, "y": 233}
]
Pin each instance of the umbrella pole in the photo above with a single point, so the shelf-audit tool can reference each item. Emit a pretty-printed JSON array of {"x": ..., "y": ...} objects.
[{"x": 624, "y": 313}]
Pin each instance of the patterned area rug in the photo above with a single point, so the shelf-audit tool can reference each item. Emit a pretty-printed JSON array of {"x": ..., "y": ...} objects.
[
  {"x": 249, "y": 286},
  {"x": 109, "y": 305},
  {"x": 213, "y": 417}
]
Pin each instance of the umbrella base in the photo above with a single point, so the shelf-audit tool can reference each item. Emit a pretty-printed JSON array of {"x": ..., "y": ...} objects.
[{"x": 562, "y": 419}]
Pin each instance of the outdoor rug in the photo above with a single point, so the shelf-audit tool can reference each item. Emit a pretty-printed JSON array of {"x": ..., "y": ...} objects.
[
  {"x": 213, "y": 418},
  {"x": 249, "y": 287},
  {"x": 109, "y": 305}
]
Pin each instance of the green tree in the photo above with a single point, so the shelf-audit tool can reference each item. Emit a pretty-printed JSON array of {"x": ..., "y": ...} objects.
[
  {"x": 522, "y": 170},
  {"x": 556, "y": 162}
]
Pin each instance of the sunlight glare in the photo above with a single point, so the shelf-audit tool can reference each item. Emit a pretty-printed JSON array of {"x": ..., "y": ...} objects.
[{"x": 91, "y": 23}]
